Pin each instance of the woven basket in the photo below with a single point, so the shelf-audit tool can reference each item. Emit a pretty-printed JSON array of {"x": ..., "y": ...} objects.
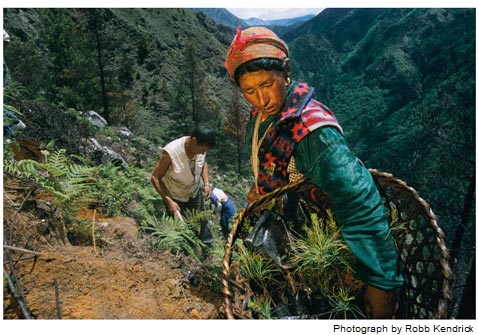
[{"x": 424, "y": 259}]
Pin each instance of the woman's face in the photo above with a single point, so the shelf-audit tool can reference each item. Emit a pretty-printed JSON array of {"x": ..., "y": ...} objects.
[{"x": 265, "y": 90}]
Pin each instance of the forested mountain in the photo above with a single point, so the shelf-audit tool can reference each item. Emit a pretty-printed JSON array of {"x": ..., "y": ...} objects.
[
  {"x": 162, "y": 68},
  {"x": 278, "y": 22},
  {"x": 280, "y": 26},
  {"x": 223, "y": 16},
  {"x": 401, "y": 82}
]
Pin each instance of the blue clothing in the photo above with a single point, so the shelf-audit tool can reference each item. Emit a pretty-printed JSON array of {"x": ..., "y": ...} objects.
[
  {"x": 9, "y": 120},
  {"x": 227, "y": 212}
]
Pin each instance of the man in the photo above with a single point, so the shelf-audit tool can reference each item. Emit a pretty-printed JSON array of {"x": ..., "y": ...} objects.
[
  {"x": 224, "y": 205},
  {"x": 178, "y": 174}
]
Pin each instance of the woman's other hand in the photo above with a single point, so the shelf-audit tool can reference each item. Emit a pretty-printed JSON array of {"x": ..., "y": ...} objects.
[
  {"x": 379, "y": 304},
  {"x": 253, "y": 195}
]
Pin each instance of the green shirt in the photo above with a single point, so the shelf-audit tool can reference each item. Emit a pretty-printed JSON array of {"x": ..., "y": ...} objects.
[{"x": 325, "y": 160}]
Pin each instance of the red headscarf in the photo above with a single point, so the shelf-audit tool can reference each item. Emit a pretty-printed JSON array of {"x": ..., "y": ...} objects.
[{"x": 252, "y": 43}]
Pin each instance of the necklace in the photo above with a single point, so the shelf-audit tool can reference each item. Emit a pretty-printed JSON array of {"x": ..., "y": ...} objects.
[{"x": 256, "y": 143}]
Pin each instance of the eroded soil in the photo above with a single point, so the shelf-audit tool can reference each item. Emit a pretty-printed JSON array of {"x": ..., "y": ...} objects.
[{"x": 120, "y": 276}]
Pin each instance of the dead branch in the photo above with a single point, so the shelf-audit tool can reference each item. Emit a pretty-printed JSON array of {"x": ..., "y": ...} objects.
[
  {"x": 9, "y": 247},
  {"x": 57, "y": 300},
  {"x": 14, "y": 217},
  {"x": 21, "y": 259},
  {"x": 93, "y": 232},
  {"x": 18, "y": 298}
]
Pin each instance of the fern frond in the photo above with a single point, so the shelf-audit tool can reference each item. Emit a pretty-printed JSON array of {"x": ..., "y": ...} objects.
[{"x": 176, "y": 236}]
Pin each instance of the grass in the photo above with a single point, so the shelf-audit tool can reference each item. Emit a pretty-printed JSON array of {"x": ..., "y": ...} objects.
[
  {"x": 321, "y": 256},
  {"x": 321, "y": 265},
  {"x": 342, "y": 304},
  {"x": 257, "y": 267}
]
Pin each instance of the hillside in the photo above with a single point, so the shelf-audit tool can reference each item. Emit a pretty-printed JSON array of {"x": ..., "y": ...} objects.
[
  {"x": 119, "y": 277},
  {"x": 402, "y": 83},
  {"x": 152, "y": 60},
  {"x": 223, "y": 16},
  {"x": 253, "y": 21}
]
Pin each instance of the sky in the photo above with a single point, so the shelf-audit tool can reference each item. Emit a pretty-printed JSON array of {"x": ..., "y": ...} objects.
[
  {"x": 247, "y": 7},
  {"x": 273, "y": 13}
]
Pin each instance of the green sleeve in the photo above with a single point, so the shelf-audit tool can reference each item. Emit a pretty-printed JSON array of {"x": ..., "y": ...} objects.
[{"x": 326, "y": 161}]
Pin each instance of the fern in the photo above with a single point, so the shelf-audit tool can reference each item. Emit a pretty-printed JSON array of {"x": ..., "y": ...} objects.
[
  {"x": 176, "y": 236},
  {"x": 70, "y": 184},
  {"x": 22, "y": 169},
  {"x": 195, "y": 217},
  {"x": 127, "y": 193}
]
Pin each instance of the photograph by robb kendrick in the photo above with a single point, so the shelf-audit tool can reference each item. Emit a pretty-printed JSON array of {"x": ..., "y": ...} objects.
[{"x": 405, "y": 328}]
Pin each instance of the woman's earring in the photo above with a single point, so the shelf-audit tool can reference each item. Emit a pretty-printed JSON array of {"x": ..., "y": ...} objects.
[{"x": 287, "y": 81}]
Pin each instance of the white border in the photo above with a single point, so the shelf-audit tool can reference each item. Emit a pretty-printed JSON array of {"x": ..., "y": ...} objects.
[{"x": 209, "y": 327}]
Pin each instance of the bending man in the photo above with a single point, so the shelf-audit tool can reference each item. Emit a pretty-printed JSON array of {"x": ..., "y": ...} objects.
[{"x": 181, "y": 176}]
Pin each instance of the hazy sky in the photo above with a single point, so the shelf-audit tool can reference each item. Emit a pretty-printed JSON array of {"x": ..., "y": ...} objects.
[{"x": 273, "y": 13}]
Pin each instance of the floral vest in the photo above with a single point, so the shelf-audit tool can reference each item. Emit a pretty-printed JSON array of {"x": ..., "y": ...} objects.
[{"x": 301, "y": 115}]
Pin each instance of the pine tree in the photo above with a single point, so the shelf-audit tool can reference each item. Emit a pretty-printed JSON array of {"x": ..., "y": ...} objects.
[
  {"x": 235, "y": 123},
  {"x": 71, "y": 64}
]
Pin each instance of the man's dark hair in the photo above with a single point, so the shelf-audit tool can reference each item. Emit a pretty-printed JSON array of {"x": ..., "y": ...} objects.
[
  {"x": 257, "y": 64},
  {"x": 205, "y": 136}
]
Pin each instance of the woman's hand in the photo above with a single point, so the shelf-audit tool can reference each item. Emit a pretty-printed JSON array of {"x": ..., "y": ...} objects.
[
  {"x": 172, "y": 206},
  {"x": 253, "y": 195},
  {"x": 207, "y": 191},
  {"x": 379, "y": 304}
]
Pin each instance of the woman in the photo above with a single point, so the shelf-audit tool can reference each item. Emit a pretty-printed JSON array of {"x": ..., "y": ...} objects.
[
  {"x": 292, "y": 135},
  {"x": 178, "y": 173}
]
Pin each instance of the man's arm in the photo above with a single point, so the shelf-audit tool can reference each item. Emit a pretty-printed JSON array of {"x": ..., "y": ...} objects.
[
  {"x": 205, "y": 178},
  {"x": 158, "y": 173}
]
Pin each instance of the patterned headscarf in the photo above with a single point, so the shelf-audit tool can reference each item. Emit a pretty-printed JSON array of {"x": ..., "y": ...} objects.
[{"x": 252, "y": 43}]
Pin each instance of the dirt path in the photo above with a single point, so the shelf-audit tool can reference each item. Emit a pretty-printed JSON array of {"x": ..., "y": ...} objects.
[
  {"x": 122, "y": 277},
  {"x": 111, "y": 286}
]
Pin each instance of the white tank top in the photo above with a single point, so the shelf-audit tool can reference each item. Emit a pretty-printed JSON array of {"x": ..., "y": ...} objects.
[{"x": 183, "y": 175}]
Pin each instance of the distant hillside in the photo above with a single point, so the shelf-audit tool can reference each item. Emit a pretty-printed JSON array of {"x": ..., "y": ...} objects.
[
  {"x": 152, "y": 59},
  {"x": 152, "y": 41},
  {"x": 402, "y": 84},
  {"x": 223, "y": 16},
  {"x": 253, "y": 21}
]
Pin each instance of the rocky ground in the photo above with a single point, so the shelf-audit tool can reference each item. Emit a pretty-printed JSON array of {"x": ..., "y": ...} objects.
[{"x": 119, "y": 277}]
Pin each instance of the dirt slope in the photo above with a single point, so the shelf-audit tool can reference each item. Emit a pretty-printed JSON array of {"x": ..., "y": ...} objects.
[{"x": 120, "y": 278}]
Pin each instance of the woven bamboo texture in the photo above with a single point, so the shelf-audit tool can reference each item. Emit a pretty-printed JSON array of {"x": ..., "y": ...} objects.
[{"x": 424, "y": 259}]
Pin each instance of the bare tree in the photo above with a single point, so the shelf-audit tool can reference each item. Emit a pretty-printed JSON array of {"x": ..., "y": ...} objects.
[{"x": 235, "y": 124}]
